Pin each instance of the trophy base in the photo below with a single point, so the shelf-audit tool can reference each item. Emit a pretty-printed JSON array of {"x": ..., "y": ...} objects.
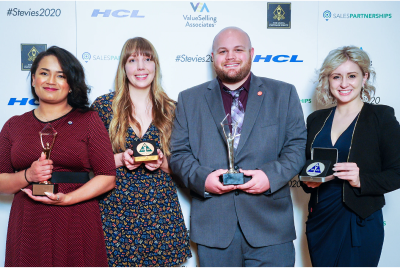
[
  {"x": 315, "y": 179},
  {"x": 232, "y": 178},
  {"x": 38, "y": 189},
  {"x": 146, "y": 158}
]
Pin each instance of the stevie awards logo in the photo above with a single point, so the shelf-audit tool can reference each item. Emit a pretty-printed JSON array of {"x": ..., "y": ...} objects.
[
  {"x": 279, "y": 16},
  {"x": 29, "y": 52},
  {"x": 279, "y": 13},
  {"x": 32, "y": 54}
]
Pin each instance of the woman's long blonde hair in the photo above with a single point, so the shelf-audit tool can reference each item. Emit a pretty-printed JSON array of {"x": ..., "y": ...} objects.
[{"x": 163, "y": 110}]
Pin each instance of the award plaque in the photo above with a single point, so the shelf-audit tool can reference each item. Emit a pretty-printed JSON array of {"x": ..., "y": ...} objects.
[
  {"x": 47, "y": 138},
  {"x": 232, "y": 177},
  {"x": 319, "y": 168},
  {"x": 144, "y": 151}
]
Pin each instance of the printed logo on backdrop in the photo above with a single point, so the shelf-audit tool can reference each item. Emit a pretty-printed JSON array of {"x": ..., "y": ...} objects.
[
  {"x": 277, "y": 58},
  {"x": 120, "y": 13},
  {"x": 29, "y": 53},
  {"x": 199, "y": 7},
  {"x": 43, "y": 12},
  {"x": 201, "y": 20},
  {"x": 279, "y": 16},
  {"x": 329, "y": 15},
  {"x": 194, "y": 59},
  {"x": 86, "y": 56},
  {"x": 22, "y": 101}
]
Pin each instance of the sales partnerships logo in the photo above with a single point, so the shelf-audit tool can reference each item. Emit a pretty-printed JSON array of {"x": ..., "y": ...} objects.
[
  {"x": 42, "y": 12},
  {"x": 199, "y": 20},
  {"x": 29, "y": 53},
  {"x": 86, "y": 56},
  {"x": 305, "y": 101},
  {"x": 328, "y": 15}
]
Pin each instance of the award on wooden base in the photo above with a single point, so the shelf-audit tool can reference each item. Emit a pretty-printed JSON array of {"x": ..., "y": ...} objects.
[
  {"x": 47, "y": 138},
  {"x": 144, "y": 151}
]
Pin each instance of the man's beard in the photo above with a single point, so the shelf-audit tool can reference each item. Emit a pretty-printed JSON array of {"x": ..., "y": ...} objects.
[{"x": 232, "y": 76}]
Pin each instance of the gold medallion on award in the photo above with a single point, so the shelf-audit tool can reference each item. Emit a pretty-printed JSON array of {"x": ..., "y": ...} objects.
[{"x": 145, "y": 151}]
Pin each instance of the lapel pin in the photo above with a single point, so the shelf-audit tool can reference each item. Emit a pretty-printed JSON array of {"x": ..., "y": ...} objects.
[
  {"x": 259, "y": 93},
  {"x": 70, "y": 122}
]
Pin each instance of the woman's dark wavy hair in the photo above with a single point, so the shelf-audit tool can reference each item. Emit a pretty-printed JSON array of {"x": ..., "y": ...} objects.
[{"x": 73, "y": 70}]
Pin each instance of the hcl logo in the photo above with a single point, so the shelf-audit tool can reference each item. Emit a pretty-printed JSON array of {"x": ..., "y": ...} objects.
[
  {"x": 277, "y": 58},
  {"x": 23, "y": 101},
  {"x": 199, "y": 7},
  {"x": 120, "y": 13}
]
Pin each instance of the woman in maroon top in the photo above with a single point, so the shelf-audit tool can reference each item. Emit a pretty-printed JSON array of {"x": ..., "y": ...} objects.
[{"x": 61, "y": 229}]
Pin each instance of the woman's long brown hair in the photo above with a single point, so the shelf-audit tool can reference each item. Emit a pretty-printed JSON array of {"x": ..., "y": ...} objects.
[{"x": 163, "y": 110}]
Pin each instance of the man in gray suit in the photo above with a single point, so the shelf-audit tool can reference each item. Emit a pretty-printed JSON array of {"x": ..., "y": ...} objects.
[{"x": 250, "y": 224}]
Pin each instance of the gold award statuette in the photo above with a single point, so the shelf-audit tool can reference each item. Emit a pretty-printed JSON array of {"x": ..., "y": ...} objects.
[
  {"x": 47, "y": 138},
  {"x": 232, "y": 177},
  {"x": 145, "y": 151}
]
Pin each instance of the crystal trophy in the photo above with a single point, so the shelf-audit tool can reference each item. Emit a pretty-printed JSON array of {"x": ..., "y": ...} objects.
[
  {"x": 232, "y": 177},
  {"x": 47, "y": 137}
]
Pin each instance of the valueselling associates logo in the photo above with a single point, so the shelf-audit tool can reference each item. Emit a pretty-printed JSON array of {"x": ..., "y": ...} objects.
[
  {"x": 120, "y": 13},
  {"x": 327, "y": 14},
  {"x": 201, "y": 20},
  {"x": 29, "y": 53},
  {"x": 86, "y": 56}
]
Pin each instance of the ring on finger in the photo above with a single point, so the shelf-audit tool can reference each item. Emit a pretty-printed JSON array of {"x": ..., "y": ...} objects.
[{"x": 58, "y": 197}]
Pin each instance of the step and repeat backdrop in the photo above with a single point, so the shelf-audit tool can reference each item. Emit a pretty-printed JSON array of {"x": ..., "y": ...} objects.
[{"x": 290, "y": 39}]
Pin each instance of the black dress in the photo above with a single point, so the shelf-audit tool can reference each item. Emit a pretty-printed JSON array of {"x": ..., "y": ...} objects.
[{"x": 336, "y": 235}]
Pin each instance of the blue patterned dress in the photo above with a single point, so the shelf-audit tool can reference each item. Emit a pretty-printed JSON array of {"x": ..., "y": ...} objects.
[{"x": 142, "y": 219}]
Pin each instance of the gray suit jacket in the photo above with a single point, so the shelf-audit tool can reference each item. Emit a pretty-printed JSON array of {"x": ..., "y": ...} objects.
[{"x": 273, "y": 139}]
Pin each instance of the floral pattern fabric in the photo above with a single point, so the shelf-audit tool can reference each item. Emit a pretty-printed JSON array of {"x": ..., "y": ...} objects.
[{"x": 142, "y": 219}]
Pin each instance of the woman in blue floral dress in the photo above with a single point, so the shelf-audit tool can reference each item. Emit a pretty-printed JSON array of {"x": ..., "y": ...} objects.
[{"x": 142, "y": 218}]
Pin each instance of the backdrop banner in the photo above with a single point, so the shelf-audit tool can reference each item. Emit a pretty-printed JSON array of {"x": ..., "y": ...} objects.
[{"x": 290, "y": 40}]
